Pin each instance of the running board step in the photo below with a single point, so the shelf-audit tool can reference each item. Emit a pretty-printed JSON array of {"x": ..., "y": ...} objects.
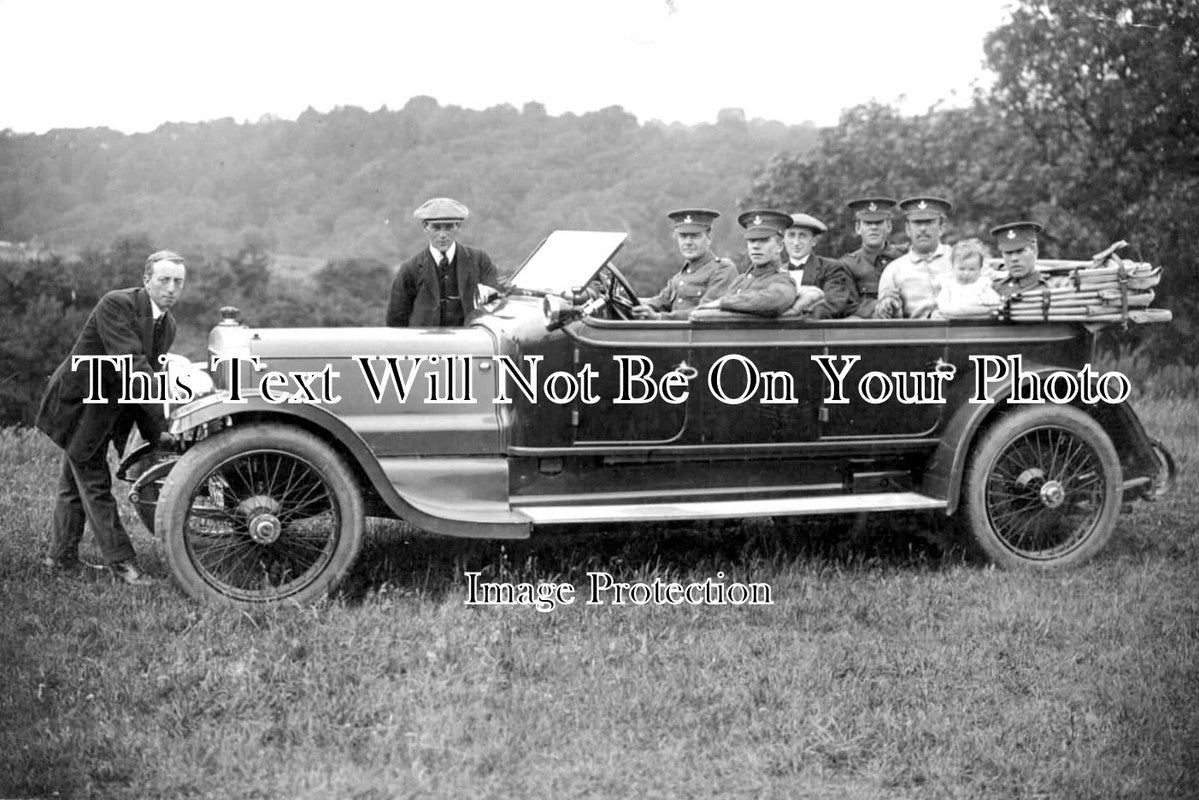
[{"x": 731, "y": 509}]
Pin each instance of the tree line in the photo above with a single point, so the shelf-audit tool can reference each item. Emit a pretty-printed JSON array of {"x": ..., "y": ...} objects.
[
  {"x": 343, "y": 184},
  {"x": 1091, "y": 126}
]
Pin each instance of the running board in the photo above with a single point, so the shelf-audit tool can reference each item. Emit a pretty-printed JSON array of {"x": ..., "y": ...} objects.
[{"x": 729, "y": 509}]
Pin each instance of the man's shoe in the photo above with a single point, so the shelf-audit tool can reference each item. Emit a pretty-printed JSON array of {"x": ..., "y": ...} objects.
[
  {"x": 127, "y": 572},
  {"x": 68, "y": 565}
]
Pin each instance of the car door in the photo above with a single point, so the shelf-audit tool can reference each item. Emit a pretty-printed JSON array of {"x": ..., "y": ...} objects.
[
  {"x": 882, "y": 370},
  {"x": 757, "y": 382},
  {"x": 629, "y": 360}
]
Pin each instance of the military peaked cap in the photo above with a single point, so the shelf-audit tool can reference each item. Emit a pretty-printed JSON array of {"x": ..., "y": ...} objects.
[
  {"x": 764, "y": 222},
  {"x": 693, "y": 220},
  {"x": 872, "y": 209},
  {"x": 1015, "y": 235},
  {"x": 923, "y": 206}
]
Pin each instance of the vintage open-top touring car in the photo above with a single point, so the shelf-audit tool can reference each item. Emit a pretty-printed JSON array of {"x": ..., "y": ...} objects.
[{"x": 554, "y": 406}]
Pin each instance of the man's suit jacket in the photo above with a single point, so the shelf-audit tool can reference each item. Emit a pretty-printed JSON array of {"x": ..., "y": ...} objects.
[
  {"x": 833, "y": 278},
  {"x": 122, "y": 323},
  {"x": 416, "y": 292}
]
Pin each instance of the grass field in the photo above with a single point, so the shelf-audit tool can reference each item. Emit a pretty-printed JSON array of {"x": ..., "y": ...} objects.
[{"x": 886, "y": 668}]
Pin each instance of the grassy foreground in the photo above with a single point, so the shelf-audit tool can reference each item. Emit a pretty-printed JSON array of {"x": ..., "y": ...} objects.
[{"x": 884, "y": 669}]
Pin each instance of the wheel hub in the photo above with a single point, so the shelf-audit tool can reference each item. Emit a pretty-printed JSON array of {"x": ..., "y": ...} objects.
[
  {"x": 265, "y": 528},
  {"x": 1053, "y": 494},
  {"x": 262, "y": 512}
]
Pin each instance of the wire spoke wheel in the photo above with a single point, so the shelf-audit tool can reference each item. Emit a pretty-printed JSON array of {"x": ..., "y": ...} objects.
[
  {"x": 259, "y": 515},
  {"x": 1043, "y": 488}
]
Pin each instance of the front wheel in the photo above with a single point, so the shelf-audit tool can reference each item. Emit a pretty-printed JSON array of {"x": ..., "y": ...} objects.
[
  {"x": 260, "y": 514},
  {"x": 1043, "y": 489}
]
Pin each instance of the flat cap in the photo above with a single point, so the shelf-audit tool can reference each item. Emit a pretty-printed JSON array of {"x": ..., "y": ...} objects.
[
  {"x": 872, "y": 209},
  {"x": 809, "y": 222},
  {"x": 441, "y": 208},
  {"x": 1015, "y": 235},
  {"x": 924, "y": 206},
  {"x": 763, "y": 222},
  {"x": 693, "y": 220}
]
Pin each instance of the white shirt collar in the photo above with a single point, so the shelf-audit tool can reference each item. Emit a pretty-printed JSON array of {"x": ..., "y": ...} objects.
[
  {"x": 802, "y": 263},
  {"x": 453, "y": 248},
  {"x": 155, "y": 310},
  {"x": 943, "y": 249}
]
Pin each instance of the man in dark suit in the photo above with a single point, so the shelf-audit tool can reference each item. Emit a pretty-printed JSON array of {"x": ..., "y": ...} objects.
[
  {"x": 831, "y": 277},
  {"x": 436, "y": 287},
  {"x": 135, "y": 323}
]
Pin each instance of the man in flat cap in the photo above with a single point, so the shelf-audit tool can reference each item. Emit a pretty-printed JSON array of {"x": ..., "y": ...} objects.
[
  {"x": 766, "y": 289},
  {"x": 704, "y": 277},
  {"x": 1017, "y": 242},
  {"x": 872, "y": 224},
  {"x": 436, "y": 287},
  {"x": 910, "y": 284},
  {"x": 808, "y": 269}
]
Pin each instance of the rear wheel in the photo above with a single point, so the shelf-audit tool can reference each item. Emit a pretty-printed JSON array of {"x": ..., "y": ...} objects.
[
  {"x": 260, "y": 514},
  {"x": 1043, "y": 489}
]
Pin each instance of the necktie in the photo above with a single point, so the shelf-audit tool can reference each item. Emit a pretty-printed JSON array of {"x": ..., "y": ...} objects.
[{"x": 159, "y": 327}]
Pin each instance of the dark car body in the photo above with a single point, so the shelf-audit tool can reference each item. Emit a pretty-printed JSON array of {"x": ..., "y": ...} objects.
[{"x": 544, "y": 410}]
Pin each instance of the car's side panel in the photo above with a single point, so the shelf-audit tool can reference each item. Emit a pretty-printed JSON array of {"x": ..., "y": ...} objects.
[
  {"x": 434, "y": 394},
  {"x": 883, "y": 359},
  {"x": 410, "y": 488},
  {"x": 757, "y": 384},
  {"x": 627, "y": 361}
]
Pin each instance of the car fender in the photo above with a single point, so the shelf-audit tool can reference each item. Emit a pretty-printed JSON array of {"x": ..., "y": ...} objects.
[
  {"x": 481, "y": 508},
  {"x": 966, "y": 421}
]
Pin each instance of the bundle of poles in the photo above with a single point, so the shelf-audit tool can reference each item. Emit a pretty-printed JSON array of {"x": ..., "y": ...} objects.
[{"x": 1106, "y": 288}]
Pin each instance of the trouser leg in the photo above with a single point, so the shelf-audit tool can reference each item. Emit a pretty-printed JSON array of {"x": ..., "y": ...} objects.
[
  {"x": 68, "y": 516},
  {"x": 95, "y": 488}
]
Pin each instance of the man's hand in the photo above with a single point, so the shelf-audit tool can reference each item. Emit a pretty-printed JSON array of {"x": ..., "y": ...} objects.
[
  {"x": 642, "y": 311},
  {"x": 887, "y": 308}
]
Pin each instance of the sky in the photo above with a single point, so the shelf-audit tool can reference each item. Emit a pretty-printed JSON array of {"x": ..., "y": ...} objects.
[{"x": 133, "y": 65}]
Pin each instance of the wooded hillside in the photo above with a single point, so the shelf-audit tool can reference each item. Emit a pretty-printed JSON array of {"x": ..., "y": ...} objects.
[
  {"x": 1091, "y": 126},
  {"x": 343, "y": 184}
]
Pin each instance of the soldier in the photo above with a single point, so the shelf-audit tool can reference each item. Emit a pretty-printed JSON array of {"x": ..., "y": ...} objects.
[
  {"x": 808, "y": 269},
  {"x": 910, "y": 284},
  {"x": 436, "y": 287},
  {"x": 1017, "y": 242},
  {"x": 766, "y": 289},
  {"x": 703, "y": 277},
  {"x": 872, "y": 223}
]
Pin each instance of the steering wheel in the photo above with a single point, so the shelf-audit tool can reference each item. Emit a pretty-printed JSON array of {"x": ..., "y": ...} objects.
[{"x": 618, "y": 292}]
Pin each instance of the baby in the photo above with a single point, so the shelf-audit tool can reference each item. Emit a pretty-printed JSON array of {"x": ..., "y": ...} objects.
[{"x": 968, "y": 293}]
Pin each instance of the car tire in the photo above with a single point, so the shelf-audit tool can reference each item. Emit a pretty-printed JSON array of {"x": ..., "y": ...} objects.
[
  {"x": 260, "y": 515},
  {"x": 1042, "y": 489}
]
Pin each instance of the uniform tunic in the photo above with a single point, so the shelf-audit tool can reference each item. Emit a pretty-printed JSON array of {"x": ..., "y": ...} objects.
[
  {"x": 699, "y": 281},
  {"x": 767, "y": 290},
  {"x": 916, "y": 280},
  {"x": 1009, "y": 287},
  {"x": 866, "y": 269}
]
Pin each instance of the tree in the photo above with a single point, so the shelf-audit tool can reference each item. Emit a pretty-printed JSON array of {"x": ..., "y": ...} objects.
[
  {"x": 1108, "y": 93},
  {"x": 966, "y": 155}
]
